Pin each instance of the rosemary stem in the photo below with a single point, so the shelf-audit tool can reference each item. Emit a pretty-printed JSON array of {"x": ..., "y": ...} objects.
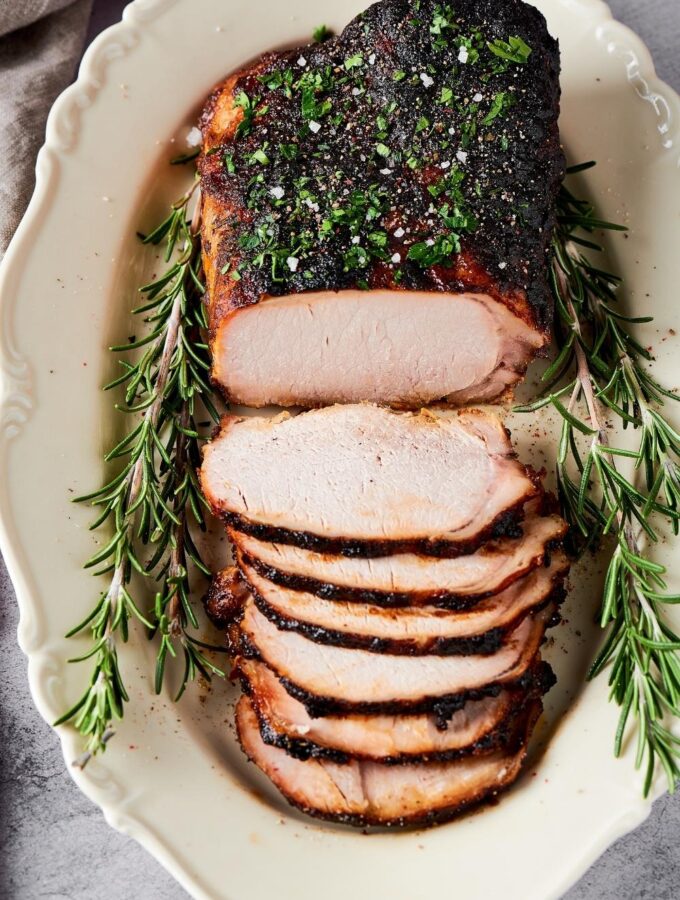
[{"x": 177, "y": 555}]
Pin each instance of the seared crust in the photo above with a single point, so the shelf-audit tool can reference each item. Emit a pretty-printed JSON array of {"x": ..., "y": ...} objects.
[
  {"x": 442, "y": 707},
  {"x": 506, "y": 524},
  {"x": 226, "y": 595},
  {"x": 528, "y": 170}
]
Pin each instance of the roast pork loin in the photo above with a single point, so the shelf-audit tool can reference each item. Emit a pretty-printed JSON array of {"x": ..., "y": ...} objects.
[
  {"x": 378, "y": 209},
  {"x": 367, "y": 480},
  {"x": 372, "y": 793}
]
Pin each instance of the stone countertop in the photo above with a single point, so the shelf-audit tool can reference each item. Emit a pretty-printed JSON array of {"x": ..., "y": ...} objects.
[{"x": 55, "y": 844}]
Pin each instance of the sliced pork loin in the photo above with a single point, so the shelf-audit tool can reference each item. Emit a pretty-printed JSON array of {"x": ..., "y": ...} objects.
[
  {"x": 423, "y": 630},
  {"x": 372, "y": 793},
  {"x": 416, "y": 348},
  {"x": 406, "y": 579},
  {"x": 330, "y": 679},
  {"x": 366, "y": 480},
  {"x": 479, "y": 727}
]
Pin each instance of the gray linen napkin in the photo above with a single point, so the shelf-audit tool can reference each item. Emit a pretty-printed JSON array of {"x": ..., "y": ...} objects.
[{"x": 40, "y": 44}]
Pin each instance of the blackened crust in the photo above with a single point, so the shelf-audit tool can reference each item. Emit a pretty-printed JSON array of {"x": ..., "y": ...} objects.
[
  {"x": 507, "y": 524},
  {"x": 442, "y": 707}
]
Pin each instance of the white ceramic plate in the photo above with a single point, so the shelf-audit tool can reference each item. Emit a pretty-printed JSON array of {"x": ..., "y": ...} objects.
[{"x": 173, "y": 777}]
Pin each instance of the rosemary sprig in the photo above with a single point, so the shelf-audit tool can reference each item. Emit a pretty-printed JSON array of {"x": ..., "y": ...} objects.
[
  {"x": 155, "y": 499},
  {"x": 600, "y": 371}
]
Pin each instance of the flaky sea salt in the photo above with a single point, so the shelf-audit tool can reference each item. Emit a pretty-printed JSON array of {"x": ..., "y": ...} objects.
[{"x": 194, "y": 137}]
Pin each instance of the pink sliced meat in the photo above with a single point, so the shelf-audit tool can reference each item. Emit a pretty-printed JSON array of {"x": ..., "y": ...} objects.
[
  {"x": 367, "y": 480},
  {"x": 416, "y": 348},
  {"x": 364, "y": 793}
]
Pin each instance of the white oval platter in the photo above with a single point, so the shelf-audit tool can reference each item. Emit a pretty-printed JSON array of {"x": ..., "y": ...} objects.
[{"x": 173, "y": 777}]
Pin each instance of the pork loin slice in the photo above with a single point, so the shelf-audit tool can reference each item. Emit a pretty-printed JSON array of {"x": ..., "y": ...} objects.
[
  {"x": 331, "y": 679},
  {"x": 416, "y": 348},
  {"x": 479, "y": 727},
  {"x": 424, "y": 630},
  {"x": 367, "y": 480},
  {"x": 372, "y": 793},
  {"x": 405, "y": 579}
]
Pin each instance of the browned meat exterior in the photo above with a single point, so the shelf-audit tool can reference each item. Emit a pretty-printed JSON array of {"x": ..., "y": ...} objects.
[
  {"x": 371, "y": 793},
  {"x": 330, "y": 679},
  {"x": 392, "y": 190},
  {"x": 366, "y": 481},
  {"x": 406, "y": 579},
  {"x": 424, "y": 630},
  {"x": 481, "y": 726},
  {"x": 226, "y": 597}
]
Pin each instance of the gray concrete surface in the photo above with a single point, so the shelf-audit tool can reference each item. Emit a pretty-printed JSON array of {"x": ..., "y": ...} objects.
[{"x": 55, "y": 844}]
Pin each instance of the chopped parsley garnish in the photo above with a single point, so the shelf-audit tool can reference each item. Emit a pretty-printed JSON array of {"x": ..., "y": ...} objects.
[
  {"x": 361, "y": 167},
  {"x": 244, "y": 102},
  {"x": 321, "y": 34},
  {"x": 501, "y": 102},
  {"x": 259, "y": 156},
  {"x": 288, "y": 151},
  {"x": 353, "y": 62},
  {"x": 434, "y": 252},
  {"x": 443, "y": 20},
  {"x": 514, "y": 49}
]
